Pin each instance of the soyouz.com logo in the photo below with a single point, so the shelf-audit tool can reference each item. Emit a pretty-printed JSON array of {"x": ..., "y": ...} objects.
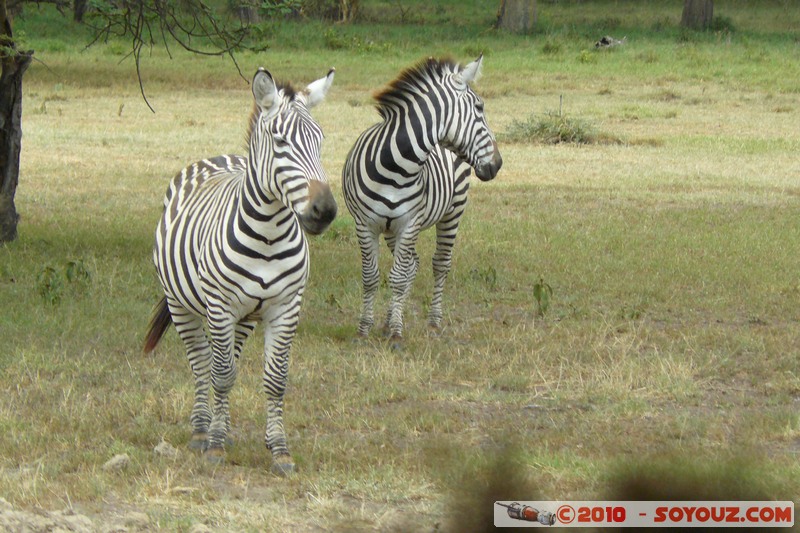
[{"x": 644, "y": 514}]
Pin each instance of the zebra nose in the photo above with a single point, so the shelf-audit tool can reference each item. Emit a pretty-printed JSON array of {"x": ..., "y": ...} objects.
[
  {"x": 487, "y": 171},
  {"x": 324, "y": 209},
  {"x": 321, "y": 210}
]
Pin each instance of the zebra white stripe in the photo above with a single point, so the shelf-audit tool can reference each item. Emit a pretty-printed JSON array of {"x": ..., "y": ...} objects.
[
  {"x": 410, "y": 172},
  {"x": 230, "y": 248}
]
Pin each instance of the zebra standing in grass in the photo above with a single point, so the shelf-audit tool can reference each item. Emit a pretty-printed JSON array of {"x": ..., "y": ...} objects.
[
  {"x": 410, "y": 172},
  {"x": 230, "y": 248}
]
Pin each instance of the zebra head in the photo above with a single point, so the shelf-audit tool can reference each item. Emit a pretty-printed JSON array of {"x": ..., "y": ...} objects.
[
  {"x": 285, "y": 149},
  {"x": 468, "y": 134}
]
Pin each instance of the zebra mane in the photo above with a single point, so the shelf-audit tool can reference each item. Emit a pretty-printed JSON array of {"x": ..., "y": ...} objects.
[
  {"x": 406, "y": 82},
  {"x": 288, "y": 92}
]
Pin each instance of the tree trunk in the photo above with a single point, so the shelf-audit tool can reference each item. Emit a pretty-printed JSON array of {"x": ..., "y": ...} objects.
[
  {"x": 516, "y": 16},
  {"x": 14, "y": 63},
  {"x": 697, "y": 14},
  {"x": 349, "y": 10},
  {"x": 79, "y": 8},
  {"x": 248, "y": 14}
]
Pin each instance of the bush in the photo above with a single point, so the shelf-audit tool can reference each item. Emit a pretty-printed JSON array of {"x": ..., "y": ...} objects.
[
  {"x": 551, "y": 47},
  {"x": 334, "y": 40},
  {"x": 322, "y": 9},
  {"x": 552, "y": 129},
  {"x": 722, "y": 24}
]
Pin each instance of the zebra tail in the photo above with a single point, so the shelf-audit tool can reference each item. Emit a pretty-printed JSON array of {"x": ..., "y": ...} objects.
[{"x": 159, "y": 325}]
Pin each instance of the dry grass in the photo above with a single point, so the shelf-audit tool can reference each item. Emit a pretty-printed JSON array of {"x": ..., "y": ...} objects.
[{"x": 672, "y": 330}]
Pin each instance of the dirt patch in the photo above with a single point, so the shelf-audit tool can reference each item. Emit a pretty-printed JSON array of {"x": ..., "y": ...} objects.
[{"x": 41, "y": 520}]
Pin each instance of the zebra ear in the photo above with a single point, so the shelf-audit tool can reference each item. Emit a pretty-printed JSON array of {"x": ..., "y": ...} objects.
[
  {"x": 264, "y": 90},
  {"x": 316, "y": 91},
  {"x": 471, "y": 72}
]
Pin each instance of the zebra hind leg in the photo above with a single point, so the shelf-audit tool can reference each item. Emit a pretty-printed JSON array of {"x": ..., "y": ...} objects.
[
  {"x": 391, "y": 241},
  {"x": 190, "y": 329},
  {"x": 401, "y": 278},
  {"x": 370, "y": 278},
  {"x": 442, "y": 260}
]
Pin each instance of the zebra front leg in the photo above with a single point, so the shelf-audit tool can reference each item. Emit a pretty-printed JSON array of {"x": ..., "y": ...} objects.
[
  {"x": 442, "y": 260},
  {"x": 243, "y": 331},
  {"x": 223, "y": 376},
  {"x": 190, "y": 329},
  {"x": 370, "y": 278},
  {"x": 401, "y": 278},
  {"x": 278, "y": 336}
]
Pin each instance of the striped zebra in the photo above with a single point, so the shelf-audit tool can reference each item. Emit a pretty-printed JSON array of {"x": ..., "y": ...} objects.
[
  {"x": 230, "y": 248},
  {"x": 410, "y": 172}
]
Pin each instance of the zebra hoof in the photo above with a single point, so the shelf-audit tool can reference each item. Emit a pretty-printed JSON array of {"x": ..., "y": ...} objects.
[
  {"x": 396, "y": 343},
  {"x": 199, "y": 442},
  {"x": 434, "y": 330},
  {"x": 215, "y": 455},
  {"x": 283, "y": 466}
]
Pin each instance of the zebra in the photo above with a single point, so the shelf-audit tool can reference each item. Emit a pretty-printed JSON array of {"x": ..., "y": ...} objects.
[
  {"x": 230, "y": 250},
  {"x": 410, "y": 172}
]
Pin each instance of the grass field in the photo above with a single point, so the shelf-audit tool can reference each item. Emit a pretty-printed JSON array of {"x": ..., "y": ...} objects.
[{"x": 668, "y": 354}]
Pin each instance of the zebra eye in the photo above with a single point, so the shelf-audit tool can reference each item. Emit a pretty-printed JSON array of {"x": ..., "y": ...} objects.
[
  {"x": 479, "y": 106},
  {"x": 281, "y": 142}
]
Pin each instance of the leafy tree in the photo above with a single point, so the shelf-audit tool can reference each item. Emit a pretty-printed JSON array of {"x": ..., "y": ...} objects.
[{"x": 147, "y": 23}]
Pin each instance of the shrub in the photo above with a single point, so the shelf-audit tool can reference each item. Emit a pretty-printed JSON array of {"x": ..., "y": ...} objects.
[
  {"x": 551, "y": 47},
  {"x": 53, "y": 281},
  {"x": 552, "y": 129},
  {"x": 722, "y": 24},
  {"x": 334, "y": 40}
]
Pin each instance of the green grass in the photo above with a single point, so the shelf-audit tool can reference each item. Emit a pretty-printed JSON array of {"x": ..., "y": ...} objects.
[{"x": 669, "y": 342}]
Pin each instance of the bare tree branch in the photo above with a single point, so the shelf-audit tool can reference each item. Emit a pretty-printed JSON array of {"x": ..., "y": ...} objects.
[
  {"x": 192, "y": 24},
  {"x": 15, "y": 6}
]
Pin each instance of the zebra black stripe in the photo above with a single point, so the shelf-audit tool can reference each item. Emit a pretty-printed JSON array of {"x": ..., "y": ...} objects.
[
  {"x": 231, "y": 251},
  {"x": 410, "y": 172}
]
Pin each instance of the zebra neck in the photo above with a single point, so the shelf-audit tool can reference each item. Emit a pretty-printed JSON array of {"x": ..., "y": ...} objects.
[
  {"x": 261, "y": 217},
  {"x": 409, "y": 136}
]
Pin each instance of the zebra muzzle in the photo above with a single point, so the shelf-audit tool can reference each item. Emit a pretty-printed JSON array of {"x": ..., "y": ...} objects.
[
  {"x": 487, "y": 171},
  {"x": 321, "y": 208}
]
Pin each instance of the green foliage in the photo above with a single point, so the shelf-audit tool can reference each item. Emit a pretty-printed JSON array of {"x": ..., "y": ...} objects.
[
  {"x": 279, "y": 8},
  {"x": 587, "y": 56},
  {"x": 552, "y": 129},
  {"x": 542, "y": 294},
  {"x": 722, "y": 24},
  {"x": 334, "y": 40},
  {"x": 10, "y": 47},
  {"x": 486, "y": 276},
  {"x": 321, "y": 9},
  {"x": 117, "y": 48},
  {"x": 338, "y": 40},
  {"x": 50, "y": 285},
  {"x": 77, "y": 274},
  {"x": 52, "y": 282},
  {"x": 551, "y": 47}
]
